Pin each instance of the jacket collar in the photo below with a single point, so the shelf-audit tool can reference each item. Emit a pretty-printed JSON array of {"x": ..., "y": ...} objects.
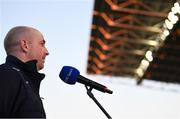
[{"x": 29, "y": 68}]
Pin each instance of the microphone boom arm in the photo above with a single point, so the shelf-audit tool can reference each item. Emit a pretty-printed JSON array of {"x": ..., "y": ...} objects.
[{"x": 90, "y": 94}]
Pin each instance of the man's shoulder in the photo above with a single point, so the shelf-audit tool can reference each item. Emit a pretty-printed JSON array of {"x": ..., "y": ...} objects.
[
  {"x": 4, "y": 66},
  {"x": 8, "y": 73}
]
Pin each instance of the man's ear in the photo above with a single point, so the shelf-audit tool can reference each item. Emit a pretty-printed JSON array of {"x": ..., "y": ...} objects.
[{"x": 24, "y": 45}]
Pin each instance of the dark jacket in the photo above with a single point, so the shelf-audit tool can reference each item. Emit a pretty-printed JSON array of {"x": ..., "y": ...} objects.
[{"x": 19, "y": 89}]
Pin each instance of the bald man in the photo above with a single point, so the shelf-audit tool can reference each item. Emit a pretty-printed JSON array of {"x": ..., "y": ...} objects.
[{"x": 19, "y": 76}]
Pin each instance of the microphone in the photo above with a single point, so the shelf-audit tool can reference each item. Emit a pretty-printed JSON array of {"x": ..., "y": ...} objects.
[{"x": 71, "y": 75}]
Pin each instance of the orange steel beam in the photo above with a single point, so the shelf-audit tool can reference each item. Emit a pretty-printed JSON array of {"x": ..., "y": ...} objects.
[
  {"x": 110, "y": 22},
  {"x": 134, "y": 11}
]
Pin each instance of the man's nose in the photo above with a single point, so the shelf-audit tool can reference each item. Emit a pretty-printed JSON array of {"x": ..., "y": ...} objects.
[{"x": 47, "y": 52}]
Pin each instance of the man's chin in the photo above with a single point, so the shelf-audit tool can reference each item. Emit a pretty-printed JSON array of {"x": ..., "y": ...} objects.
[{"x": 40, "y": 67}]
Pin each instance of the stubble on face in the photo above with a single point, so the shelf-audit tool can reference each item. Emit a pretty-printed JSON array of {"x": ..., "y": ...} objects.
[{"x": 37, "y": 49}]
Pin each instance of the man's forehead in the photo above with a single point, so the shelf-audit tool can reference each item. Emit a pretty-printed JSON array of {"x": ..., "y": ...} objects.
[{"x": 38, "y": 36}]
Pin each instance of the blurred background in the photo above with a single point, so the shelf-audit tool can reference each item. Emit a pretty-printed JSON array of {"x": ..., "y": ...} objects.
[{"x": 131, "y": 46}]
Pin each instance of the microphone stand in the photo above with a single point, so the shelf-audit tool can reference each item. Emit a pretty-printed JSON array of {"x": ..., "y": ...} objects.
[{"x": 90, "y": 94}]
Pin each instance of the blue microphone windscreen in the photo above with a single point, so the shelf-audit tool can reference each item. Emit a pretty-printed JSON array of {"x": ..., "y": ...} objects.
[{"x": 69, "y": 74}]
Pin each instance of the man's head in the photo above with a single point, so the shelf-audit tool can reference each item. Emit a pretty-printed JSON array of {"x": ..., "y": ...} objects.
[{"x": 26, "y": 43}]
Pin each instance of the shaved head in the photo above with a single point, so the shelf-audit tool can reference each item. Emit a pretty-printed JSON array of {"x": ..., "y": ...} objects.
[
  {"x": 13, "y": 37},
  {"x": 26, "y": 43}
]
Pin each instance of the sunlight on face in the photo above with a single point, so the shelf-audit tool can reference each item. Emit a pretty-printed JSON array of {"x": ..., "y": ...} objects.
[{"x": 37, "y": 50}]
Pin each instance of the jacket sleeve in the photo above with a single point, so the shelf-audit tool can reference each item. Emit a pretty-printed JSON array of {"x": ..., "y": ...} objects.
[{"x": 10, "y": 90}]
